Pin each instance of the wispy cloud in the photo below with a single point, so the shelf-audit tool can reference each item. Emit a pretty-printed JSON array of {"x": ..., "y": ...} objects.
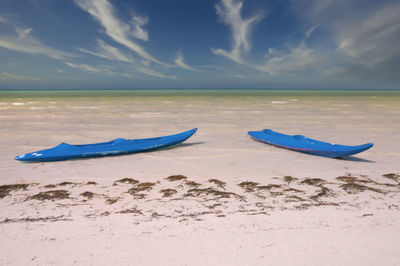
[
  {"x": 151, "y": 72},
  {"x": 92, "y": 69},
  {"x": 24, "y": 42},
  {"x": 2, "y": 20},
  {"x": 179, "y": 61},
  {"x": 137, "y": 23},
  {"x": 365, "y": 35},
  {"x": 8, "y": 76},
  {"x": 297, "y": 59},
  {"x": 230, "y": 11},
  {"x": 109, "y": 52},
  {"x": 119, "y": 31}
]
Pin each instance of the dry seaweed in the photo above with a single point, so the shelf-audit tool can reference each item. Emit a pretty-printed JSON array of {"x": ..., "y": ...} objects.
[
  {"x": 91, "y": 183},
  {"x": 66, "y": 183},
  {"x": 130, "y": 181},
  {"x": 275, "y": 194},
  {"x": 6, "y": 189},
  {"x": 40, "y": 219},
  {"x": 219, "y": 183},
  {"x": 352, "y": 179},
  {"x": 248, "y": 186},
  {"x": 294, "y": 190},
  {"x": 288, "y": 179},
  {"x": 192, "y": 184},
  {"x": 168, "y": 192},
  {"x": 110, "y": 201},
  {"x": 313, "y": 181},
  {"x": 176, "y": 177},
  {"x": 269, "y": 187},
  {"x": 294, "y": 198},
  {"x": 87, "y": 194},
  {"x": 146, "y": 186},
  {"x": 131, "y": 210},
  {"x": 394, "y": 177},
  {"x": 195, "y": 192},
  {"x": 51, "y": 195},
  {"x": 354, "y": 188},
  {"x": 50, "y": 186},
  {"x": 323, "y": 192}
]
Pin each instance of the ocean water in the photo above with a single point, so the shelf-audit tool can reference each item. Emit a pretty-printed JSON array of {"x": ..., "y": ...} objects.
[{"x": 33, "y": 120}]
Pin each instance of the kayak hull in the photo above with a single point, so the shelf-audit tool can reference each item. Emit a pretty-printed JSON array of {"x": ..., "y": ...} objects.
[
  {"x": 307, "y": 145},
  {"x": 65, "y": 151}
]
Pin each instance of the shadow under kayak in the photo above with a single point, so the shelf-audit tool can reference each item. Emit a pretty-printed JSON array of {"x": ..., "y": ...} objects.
[
  {"x": 66, "y": 151},
  {"x": 303, "y": 144}
]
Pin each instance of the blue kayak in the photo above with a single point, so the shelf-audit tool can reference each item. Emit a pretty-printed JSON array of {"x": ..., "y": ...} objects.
[
  {"x": 66, "y": 151},
  {"x": 303, "y": 144}
]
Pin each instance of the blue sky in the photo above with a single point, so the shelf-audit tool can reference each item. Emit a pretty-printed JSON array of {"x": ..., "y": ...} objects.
[{"x": 99, "y": 44}]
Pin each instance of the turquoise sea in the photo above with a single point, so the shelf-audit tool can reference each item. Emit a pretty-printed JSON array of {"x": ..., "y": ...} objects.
[{"x": 196, "y": 92}]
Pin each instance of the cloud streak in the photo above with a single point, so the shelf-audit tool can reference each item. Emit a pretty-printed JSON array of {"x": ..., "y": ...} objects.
[
  {"x": 24, "y": 42},
  {"x": 179, "y": 61},
  {"x": 8, "y": 76},
  {"x": 103, "y": 12},
  {"x": 91, "y": 69},
  {"x": 109, "y": 52},
  {"x": 229, "y": 12}
]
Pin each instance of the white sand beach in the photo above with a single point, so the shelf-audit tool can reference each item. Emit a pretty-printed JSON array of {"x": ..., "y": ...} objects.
[{"x": 230, "y": 200}]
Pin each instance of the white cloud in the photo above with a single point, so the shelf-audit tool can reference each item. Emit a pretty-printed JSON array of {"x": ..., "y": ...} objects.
[
  {"x": 365, "y": 36},
  {"x": 371, "y": 40},
  {"x": 8, "y": 76},
  {"x": 179, "y": 61},
  {"x": 108, "y": 52},
  {"x": 138, "y": 32},
  {"x": 103, "y": 12},
  {"x": 297, "y": 59},
  {"x": 230, "y": 13},
  {"x": 151, "y": 72},
  {"x": 92, "y": 69},
  {"x": 2, "y": 20},
  {"x": 24, "y": 42}
]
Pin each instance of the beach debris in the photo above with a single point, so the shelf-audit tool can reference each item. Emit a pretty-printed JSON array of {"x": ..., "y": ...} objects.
[
  {"x": 394, "y": 177},
  {"x": 176, "y": 177},
  {"x": 50, "y": 195},
  {"x": 323, "y": 192},
  {"x": 288, "y": 179},
  {"x": 50, "y": 186},
  {"x": 6, "y": 189},
  {"x": 91, "y": 183},
  {"x": 294, "y": 198},
  {"x": 313, "y": 181},
  {"x": 195, "y": 192},
  {"x": 146, "y": 186},
  {"x": 248, "y": 186},
  {"x": 130, "y": 181},
  {"x": 269, "y": 187},
  {"x": 168, "y": 192},
  {"x": 67, "y": 183},
  {"x": 354, "y": 188},
  {"x": 110, "y": 201},
  {"x": 294, "y": 190},
  {"x": 38, "y": 219},
  {"x": 352, "y": 179},
  {"x": 219, "y": 183},
  {"x": 192, "y": 184},
  {"x": 131, "y": 210},
  {"x": 87, "y": 194}
]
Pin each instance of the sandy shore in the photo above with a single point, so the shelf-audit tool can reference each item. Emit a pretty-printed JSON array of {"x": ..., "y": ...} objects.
[
  {"x": 230, "y": 200},
  {"x": 176, "y": 220}
]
